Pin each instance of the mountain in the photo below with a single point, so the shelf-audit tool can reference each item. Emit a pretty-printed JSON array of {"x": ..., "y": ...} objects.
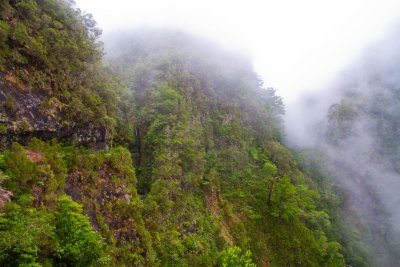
[{"x": 172, "y": 155}]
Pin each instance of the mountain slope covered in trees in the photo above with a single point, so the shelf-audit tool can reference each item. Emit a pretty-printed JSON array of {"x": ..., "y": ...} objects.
[{"x": 170, "y": 156}]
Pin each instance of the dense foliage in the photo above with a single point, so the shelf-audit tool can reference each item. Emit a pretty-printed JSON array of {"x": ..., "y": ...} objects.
[
  {"x": 210, "y": 163},
  {"x": 233, "y": 257},
  {"x": 50, "y": 49}
]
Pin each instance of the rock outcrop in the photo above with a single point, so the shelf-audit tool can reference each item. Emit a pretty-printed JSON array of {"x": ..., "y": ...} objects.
[{"x": 26, "y": 113}]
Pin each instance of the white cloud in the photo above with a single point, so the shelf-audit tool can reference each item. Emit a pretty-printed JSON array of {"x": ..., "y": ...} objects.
[{"x": 295, "y": 45}]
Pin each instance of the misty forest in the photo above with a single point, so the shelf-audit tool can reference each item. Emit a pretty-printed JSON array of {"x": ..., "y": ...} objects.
[{"x": 166, "y": 149}]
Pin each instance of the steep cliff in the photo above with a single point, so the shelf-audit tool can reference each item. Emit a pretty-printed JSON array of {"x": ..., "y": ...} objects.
[
  {"x": 52, "y": 83},
  {"x": 170, "y": 157}
]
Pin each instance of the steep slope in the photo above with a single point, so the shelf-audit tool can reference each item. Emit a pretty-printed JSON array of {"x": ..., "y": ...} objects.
[
  {"x": 209, "y": 158},
  {"x": 169, "y": 158},
  {"x": 43, "y": 226},
  {"x": 52, "y": 84}
]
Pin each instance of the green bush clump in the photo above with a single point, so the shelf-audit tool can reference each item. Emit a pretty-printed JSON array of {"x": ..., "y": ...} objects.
[
  {"x": 233, "y": 257},
  {"x": 78, "y": 244},
  {"x": 39, "y": 236}
]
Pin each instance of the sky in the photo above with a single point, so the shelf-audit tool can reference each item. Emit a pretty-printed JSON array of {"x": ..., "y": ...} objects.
[{"x": 296, "y": 46}]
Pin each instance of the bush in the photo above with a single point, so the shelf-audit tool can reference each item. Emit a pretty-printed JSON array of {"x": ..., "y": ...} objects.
[
  {"x": 79, "y": 245},
  {"x": 233, "y": 257}
]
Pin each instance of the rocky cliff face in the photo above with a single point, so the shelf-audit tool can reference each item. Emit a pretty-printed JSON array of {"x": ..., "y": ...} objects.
[
  {"x": 27, "y": 113},
  {"x": 5, "y": 196}
]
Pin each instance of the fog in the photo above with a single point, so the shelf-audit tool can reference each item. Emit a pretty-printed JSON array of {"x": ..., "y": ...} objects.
[
  {"x": 316, "y": 54},
  {"x": 360, "y": 138},
  {"x": 295, "y": 45}
]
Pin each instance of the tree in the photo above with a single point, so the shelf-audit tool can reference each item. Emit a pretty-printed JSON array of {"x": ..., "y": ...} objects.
[
  {"x": 270, "y": 170},
  {"x": 79, "y": 244},
  {"x": 233, "y": 257},
  {"x": 26, "y": 234}
]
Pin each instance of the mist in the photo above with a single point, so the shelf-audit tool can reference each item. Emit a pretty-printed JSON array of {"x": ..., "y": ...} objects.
[
  {"x": 353, "y": 121},
  {"x": 295, "y": 46}
]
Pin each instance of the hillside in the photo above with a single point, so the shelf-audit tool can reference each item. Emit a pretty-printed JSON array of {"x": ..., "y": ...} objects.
[
  {"x": 52, "y": 82},
  {"x": 170, "y": 156}
]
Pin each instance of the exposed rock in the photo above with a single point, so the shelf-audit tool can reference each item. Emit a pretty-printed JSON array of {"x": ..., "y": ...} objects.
[
  {"x": 27, "y": 113},
  {"x": 103, "y": 195},
  {"x": 38, "y": 193},
  {"x": 5, "y": 196},
  {"x": 34, "y": 156},
  {"x": 213, "y": 203}
]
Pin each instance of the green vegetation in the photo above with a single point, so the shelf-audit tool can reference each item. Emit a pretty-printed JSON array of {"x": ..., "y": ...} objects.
[
  {"x": 50, "y": 47},
  {"x": 36, "y": 236},
  {"x": 233, "y": 257},
  {"x": 43, "y": 225},
  {"x": 46, "y": 42},
  {"x": 211, "y": 165},
  {"x": 78, "y": 245},
  {"x": 26, "y": 234}
]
